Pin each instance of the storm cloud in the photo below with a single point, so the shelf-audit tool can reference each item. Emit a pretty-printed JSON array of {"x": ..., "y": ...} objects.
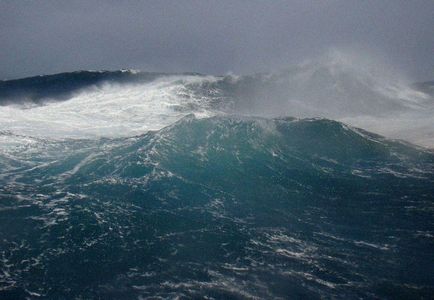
[{"x": 213, "y": 37}]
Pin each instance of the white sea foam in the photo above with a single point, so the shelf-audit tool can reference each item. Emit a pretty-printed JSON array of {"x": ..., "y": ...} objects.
[
  {"x": 340, "y": 86},
  {"x": 111, "y": 110}
]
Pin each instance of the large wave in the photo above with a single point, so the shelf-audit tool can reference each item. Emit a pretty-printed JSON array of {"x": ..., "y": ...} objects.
[
  {"x": 123, "y": 103},
  {"x": 142, "y": 185},
  {"x": 221, "y": 207}
]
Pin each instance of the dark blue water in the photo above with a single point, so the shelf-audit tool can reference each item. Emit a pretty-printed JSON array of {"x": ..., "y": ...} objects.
[{"x": 222, "y": 207}]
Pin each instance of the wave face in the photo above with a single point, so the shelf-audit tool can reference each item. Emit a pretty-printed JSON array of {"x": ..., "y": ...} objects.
[
  {"x": 133, "y": 185},
  {"x": 223, "y": 207},
  {"x": 40, "y": 89}
]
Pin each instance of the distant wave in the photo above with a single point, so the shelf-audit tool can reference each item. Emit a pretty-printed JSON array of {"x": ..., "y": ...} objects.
[
  {"x": 89, "y": 104},
  {"x": 63, "y": 86}
]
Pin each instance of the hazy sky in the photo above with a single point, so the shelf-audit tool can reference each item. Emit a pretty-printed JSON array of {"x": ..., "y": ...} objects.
[{"x": 40, "y": 37}]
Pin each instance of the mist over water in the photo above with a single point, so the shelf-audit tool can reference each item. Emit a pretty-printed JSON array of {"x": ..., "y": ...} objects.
[{"x": 340, "y": 85}]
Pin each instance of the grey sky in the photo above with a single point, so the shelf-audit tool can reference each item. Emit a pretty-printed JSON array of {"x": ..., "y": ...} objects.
[{"x": 40, "y": 37}]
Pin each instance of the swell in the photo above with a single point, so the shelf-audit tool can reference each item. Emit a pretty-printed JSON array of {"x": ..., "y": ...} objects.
[
  {"x": 253, "y": 138},
  {"x": 131, "y": 185},
  {"x": 219, "y": 207}
]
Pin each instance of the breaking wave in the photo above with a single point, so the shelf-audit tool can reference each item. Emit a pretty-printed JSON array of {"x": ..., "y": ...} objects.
[
  {"x": 140, "y": 185},
  {"x": 123, "y": 103}
]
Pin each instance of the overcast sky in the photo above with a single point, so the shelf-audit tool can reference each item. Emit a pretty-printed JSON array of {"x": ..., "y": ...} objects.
[{"x": 216, "y": 37}]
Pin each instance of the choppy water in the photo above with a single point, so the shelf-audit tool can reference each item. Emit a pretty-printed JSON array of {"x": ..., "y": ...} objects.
[{"x": 119, "y": 192}]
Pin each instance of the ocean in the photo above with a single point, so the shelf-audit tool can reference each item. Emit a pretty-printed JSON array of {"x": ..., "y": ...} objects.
[{"x": 134, "y": 185}]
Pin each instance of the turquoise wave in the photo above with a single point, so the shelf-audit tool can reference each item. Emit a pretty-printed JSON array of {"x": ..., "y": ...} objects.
[{"x": 223, "y": 207}]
